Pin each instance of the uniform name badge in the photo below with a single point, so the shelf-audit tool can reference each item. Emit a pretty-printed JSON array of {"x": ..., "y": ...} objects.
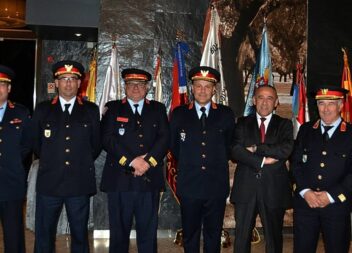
[
  {"x": 47, "y": 133},
  {"x": 183, "y": 136},
  {"x": 304, "y": 158},
  {"x": 121, "y": 131}
]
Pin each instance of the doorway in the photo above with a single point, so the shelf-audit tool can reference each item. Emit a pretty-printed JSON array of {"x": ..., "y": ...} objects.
[{"x": 20, "y": 55}]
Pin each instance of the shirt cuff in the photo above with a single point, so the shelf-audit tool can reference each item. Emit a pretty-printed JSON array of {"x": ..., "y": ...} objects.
[
  {"x": 261, "y": 166},
  {"x": 303, "y": 192},
  {"x": 330, "y": 198}
]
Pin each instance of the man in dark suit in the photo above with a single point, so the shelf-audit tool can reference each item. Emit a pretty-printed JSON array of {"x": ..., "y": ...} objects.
[
  {"x": 322, "y": 167},
  {"x": 201, "y": 135},
  {"x": 67, "y": 141},
  {"x": 135, "y": 134},
  {"x": 14, "y": 125},
  {"x": 262, "y": 144}
]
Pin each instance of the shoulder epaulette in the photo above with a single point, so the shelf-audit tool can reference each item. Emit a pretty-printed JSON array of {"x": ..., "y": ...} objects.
[
  {"x": 190, "y": 106},
  {"x": 79, "y": 100},
  {"x": 10, "y": 104},
  {"x": 316, "y": 124},
  {"x": 54, "y": 101},
  {"x": 343, "y": 126}
]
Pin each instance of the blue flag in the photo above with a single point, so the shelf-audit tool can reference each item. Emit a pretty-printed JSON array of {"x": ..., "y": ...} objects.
[{"x": 262, "y": 73}]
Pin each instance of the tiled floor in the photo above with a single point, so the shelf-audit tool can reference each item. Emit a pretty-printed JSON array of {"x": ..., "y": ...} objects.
[{"x": 164, "y": 245}]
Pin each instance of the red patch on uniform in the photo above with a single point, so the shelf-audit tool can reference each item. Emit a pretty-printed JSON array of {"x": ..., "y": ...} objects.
[
  {"x": 15, "y": 121},
  {"x": 122, "y": 119}
]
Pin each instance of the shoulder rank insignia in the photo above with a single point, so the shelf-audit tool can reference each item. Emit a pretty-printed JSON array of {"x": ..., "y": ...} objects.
[
  {"x": 316, "y": 124},
  {"x": 343, "y": 126}
]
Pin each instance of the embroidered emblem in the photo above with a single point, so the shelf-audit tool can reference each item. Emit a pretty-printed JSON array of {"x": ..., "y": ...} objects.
[
  {"x": 121, "y": 131},
  {"x": 183, "y": 136},
  {"x": 47, "y": 133},
  {"x": 68, "y": 68},
  {"x": 324, "y": 91},
  {"x": 204, "y": 73}
]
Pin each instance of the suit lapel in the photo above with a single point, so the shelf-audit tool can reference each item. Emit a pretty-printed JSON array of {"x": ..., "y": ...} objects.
[{"x": 271, "y": 131}]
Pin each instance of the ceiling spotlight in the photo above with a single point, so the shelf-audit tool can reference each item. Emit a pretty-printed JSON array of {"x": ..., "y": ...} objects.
[{"x": 78, "y": 34}]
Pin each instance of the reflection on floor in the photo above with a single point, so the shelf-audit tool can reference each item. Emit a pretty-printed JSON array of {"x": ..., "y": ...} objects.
[{"x": 164, "y": 245}]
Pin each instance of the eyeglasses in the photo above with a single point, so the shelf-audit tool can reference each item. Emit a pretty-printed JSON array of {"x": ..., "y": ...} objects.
[
  {"x": 66, "y": 79},
  {"x": 134, "y": 84}
]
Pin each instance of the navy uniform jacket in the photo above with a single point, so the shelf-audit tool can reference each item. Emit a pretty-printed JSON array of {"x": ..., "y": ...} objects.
[
  {"x": 123, "y": 142},
  {"x": 202, "y": 155},
  {"x": 324, "y": 167},
  {"x": 13, "y": 135},
  {"x": 66, "y": 150},
  {"x": 272, "y": 180}
]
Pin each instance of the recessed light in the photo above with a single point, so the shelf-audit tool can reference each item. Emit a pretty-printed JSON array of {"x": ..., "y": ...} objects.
[{"x": 78, "y": 34}]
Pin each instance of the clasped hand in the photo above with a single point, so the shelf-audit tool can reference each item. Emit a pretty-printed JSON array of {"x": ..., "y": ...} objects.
[{"x": 140, "y": 165}]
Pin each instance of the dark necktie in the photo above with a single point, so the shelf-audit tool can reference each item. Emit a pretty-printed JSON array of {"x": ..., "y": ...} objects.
[
  {"x": 203, "y": 116},
  {"x": 137, "y": 116},
  {"x": 66, "y": 111},
  {"x": 325, "y": 134},
  {"x": 262, "y": 130}
]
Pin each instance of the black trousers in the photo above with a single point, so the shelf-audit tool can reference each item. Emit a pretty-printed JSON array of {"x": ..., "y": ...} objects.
[
  {"x": 48, "y": 210},
  {"x": 198, "y": 213},
  {"x": 333, "y": 222},
  {"x": 143, "y": 207},
  {"x": 11, "y": 216},
  {"x": 271, "y": 218}
]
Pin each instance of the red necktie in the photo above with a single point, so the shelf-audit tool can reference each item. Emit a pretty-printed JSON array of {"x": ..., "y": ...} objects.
[{"x": 262, "y": 130}]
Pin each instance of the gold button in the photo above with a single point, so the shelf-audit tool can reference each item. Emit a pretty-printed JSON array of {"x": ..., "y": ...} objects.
[
  {"x": 203, "y": 155},
  {"x": 204, "y": 132},
  {"x": 67, "y": 138},
  {"x": 67, "y": 126},
  {"x": 322, "y": 165},
  {"x": 85, "y": 125},
  {"x": 140, "y": 136},
  {"x": 141, "y": 145},
  {"x": 17, "y": 127},
  {"x": 203, "y": 167},
  {"x": 67, "y": 163},
  {"x": 320, "y": 177},
  {"x": 203, "y": 143},
  {"x": 0, "y": 140},
  {"x": 324, "y": 152},
  {"x": 67, "y": 150}
]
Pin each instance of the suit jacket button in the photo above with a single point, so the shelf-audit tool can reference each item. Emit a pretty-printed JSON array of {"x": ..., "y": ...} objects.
[
  {"x": 258, "y": 175},
  {"x": 140, "y": 136},
  {"x": 67, "y": 138},
  {"x": 0, "y": 140},
  {"x": 67, "y": 150},
  {"x": 204, "y": 132}
]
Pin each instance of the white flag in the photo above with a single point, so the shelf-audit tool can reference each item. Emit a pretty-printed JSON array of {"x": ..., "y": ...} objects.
[
  {"x": 158, "y": 93},
  {"x": 212, "y": 55},
  {"x": 112, "y": 89}
]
